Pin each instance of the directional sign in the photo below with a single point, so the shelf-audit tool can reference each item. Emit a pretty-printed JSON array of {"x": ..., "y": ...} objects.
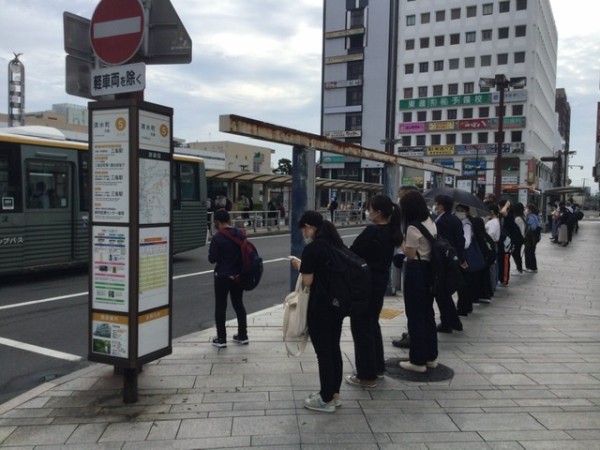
[
  {"x": 117, "y": 30},
  {"x": 118, "y": 79}
]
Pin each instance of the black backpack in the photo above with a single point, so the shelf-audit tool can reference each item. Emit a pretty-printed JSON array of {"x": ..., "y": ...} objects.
[
  {"x": 252, "y": 263},
  {"x": 447, "y": 275},
  {"x": 349, "y": 287}
]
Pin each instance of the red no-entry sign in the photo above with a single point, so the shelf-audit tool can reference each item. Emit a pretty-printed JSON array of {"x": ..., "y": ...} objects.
[{"x": 116, "y": 30}]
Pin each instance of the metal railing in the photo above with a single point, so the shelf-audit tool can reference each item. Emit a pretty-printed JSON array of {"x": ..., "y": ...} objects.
[{"x": 265, "y": 221}]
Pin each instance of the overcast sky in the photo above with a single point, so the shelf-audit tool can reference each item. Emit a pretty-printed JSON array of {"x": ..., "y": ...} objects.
[{"x": 262, "y": 59}]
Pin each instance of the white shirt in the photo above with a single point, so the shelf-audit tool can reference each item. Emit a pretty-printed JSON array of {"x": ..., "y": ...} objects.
[{"x": 492, "y": 227}]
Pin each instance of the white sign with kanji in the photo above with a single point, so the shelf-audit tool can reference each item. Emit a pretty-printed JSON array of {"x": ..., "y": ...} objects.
[{"x": 118, "y": 79}]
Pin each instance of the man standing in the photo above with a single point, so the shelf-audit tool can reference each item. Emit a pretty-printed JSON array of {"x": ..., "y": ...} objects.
[
  {"x": 333, "y": 205},
  {"x": 228, "y": 257},
  {"x": 449, "y": 227}
]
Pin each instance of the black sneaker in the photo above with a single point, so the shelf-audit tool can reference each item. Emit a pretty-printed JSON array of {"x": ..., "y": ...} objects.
[
  {"x": 402, "y": 343},
  {"x": 243, "y": 340},
  {"x": 219, "y": 342}
]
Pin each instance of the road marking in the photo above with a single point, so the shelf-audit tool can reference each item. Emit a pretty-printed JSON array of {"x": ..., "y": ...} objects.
[
  {"x": 40, "y": 350},
  {"x": 81, "y": 294}
]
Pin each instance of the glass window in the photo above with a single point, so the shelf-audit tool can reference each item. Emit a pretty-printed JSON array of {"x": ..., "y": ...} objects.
[
  {"x": 189, "y": 181},
  {"x": 520, "y": 30},
  {"x": 517, "y": 110},
  {"x": 502, "y": 59},
  {"x": 438, "y": 89},
  {"x": 453, "y": 63},
  {"x": 48, "y": 184},
  {"x": 471, "y": 11},
  {"x": 421, "y": 139},
  {"x": 409, "y": 44},
  {"x": 425, "y": 17},
  {"x": 504, "y": 6},
  {"x": 503, "y": 33},
  {"x": 519, "y": 57},
  {"x": 421, "y": 116},
  {"x": 357, "y": 18},
  {"x": 486, "y": 60},
  {"x": 436, "y": 114},
  {"x": 423, "y": 67},
  {"x": 439, "y": 40},
  {"x": 466, "y": 138},
  {"x": 488, "y": 8},
  {"x": 436, "y": 139},
  {"x": 353, "y": 122},
  {"x": 516, "y": 136},
  {"x": 438, "y": 65},
  {"x": 455, "y": 39},
  {"x": 440, "y": 16},
  {"x": 452, "y": 114},
  {"x": 521, "y": 4},
  {"x": 354, "y": 96},
  {"x": 409, "y": 68},
  {"x": 424, "y": 42},
  {"x": 451, "y": 139},
  {"x": 455, "y": 13},
  {"x": 497, "y": 109},
  {"x": 469, "y": 62},
  {"x": 452, "y": 88},
  {"x": 354, "y": 70},
  {"x": 469, "y": 87},
  {"x": 482, "y": 137},
  {"x": 484, "y": 111},
  {"x": 407, "y": 116},
  {"x": 467, "y": 113},
  {"x": 408, "y": 92},
  {"x": 406, "y": 141},
  {"x": 423, "y": 91},
  {"x": 470, "y": 36},
  {"x": 410, "y": 20},
  {"x": 486, "y": 35},
  {"x": 10, "y": 181}
]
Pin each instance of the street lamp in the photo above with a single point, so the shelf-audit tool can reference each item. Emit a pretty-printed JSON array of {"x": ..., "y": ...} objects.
[{"x": 501, "y": 83}]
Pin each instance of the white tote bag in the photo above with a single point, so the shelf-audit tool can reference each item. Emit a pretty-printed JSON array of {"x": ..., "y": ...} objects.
[{"x": 295, "y": 330}]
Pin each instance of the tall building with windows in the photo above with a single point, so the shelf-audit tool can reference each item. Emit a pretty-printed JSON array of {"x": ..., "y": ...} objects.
[{"x": 428, "y": 58}]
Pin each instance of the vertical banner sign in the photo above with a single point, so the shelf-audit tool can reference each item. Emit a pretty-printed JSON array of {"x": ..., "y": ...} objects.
[{"x": 131, "y": 232}]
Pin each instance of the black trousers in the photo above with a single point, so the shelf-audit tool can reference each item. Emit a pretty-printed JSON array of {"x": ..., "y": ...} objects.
[
  {"x": 516, "y": 254},
  {"x": 420, "y": 316},
  {"x": 366, "y": 333},
  {"x": 325, "y": 330},
  {"x": 530, "y": 258},
  {"x": 448, "y": 313},
  {"x": 224, "y": 286}
]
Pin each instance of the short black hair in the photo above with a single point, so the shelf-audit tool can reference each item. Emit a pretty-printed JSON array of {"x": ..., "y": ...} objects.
[
  {"x": 312, "y": 218},
  {"x": 445, "y": 201},
  {"x": 221, "y": 216}
]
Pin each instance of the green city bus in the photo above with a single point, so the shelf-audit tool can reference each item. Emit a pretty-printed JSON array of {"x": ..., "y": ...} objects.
[{"x": 44, "y": 214}]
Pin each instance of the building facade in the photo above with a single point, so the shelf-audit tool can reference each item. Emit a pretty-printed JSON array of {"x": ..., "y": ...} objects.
[{"x": 427, "y": 59}]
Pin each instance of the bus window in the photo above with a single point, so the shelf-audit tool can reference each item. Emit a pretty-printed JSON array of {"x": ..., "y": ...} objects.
[
  {"x": 188, "y": 180},
  {"x": 47, "y": 184},
  {"x": 10, "y": 184}
]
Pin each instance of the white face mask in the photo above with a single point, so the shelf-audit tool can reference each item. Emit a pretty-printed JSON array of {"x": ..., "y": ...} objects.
[
  {"x": 460, "y": 214},
  {"x": 367, "y": 215}
]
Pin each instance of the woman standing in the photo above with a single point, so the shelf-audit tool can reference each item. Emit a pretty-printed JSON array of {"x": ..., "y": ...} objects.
[
  {"x": 519, "y": 238},
  {"x": 323, "y": 320},
  {"x": 532, "y": 238},
  {"x": 376, "y": 246},
  {"x": 418, "y": 298}
]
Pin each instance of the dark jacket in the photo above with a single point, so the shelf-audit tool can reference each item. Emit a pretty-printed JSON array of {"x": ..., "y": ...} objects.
[
  {"x": 450, "y": 227},
  {"x": 226, "y": 253}
]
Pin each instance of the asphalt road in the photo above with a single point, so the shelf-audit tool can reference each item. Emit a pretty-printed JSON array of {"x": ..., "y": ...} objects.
[{"x": 56, "y": 320}]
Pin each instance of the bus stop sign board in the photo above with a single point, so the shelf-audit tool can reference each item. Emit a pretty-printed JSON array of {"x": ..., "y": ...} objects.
[{"x": 117, "y": 30}]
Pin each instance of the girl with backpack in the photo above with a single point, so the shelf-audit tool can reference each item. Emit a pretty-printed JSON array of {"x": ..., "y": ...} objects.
[
  {"x": 519, "y": 237},
  {"x": 375, "y": 244},
  {"x": 324, "y": 322}
]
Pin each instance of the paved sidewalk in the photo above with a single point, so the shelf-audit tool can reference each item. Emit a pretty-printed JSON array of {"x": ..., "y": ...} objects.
[{"x": 527, "y": 376}]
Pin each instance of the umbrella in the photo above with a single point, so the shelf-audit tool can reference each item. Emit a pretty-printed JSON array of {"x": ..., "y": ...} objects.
[{"x": 460, "y": 196}]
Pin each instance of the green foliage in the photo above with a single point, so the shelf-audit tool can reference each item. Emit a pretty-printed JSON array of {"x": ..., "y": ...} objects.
[{"x": 284, "y": 167}]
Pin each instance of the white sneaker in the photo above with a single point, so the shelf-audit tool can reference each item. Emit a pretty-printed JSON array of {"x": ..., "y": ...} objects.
[
  {"x": 316, "y": 403},
  {"x": 337, "y": 399},
  {"x": 407, "y": 365},
  {"x": 432, "y": 364}
]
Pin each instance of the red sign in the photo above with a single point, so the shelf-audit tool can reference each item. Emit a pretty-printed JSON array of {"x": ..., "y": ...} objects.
[{"x": 117, "y": 30}]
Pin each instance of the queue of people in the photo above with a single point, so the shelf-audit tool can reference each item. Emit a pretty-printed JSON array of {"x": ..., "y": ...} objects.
[{"x": 484, "y": 249}]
